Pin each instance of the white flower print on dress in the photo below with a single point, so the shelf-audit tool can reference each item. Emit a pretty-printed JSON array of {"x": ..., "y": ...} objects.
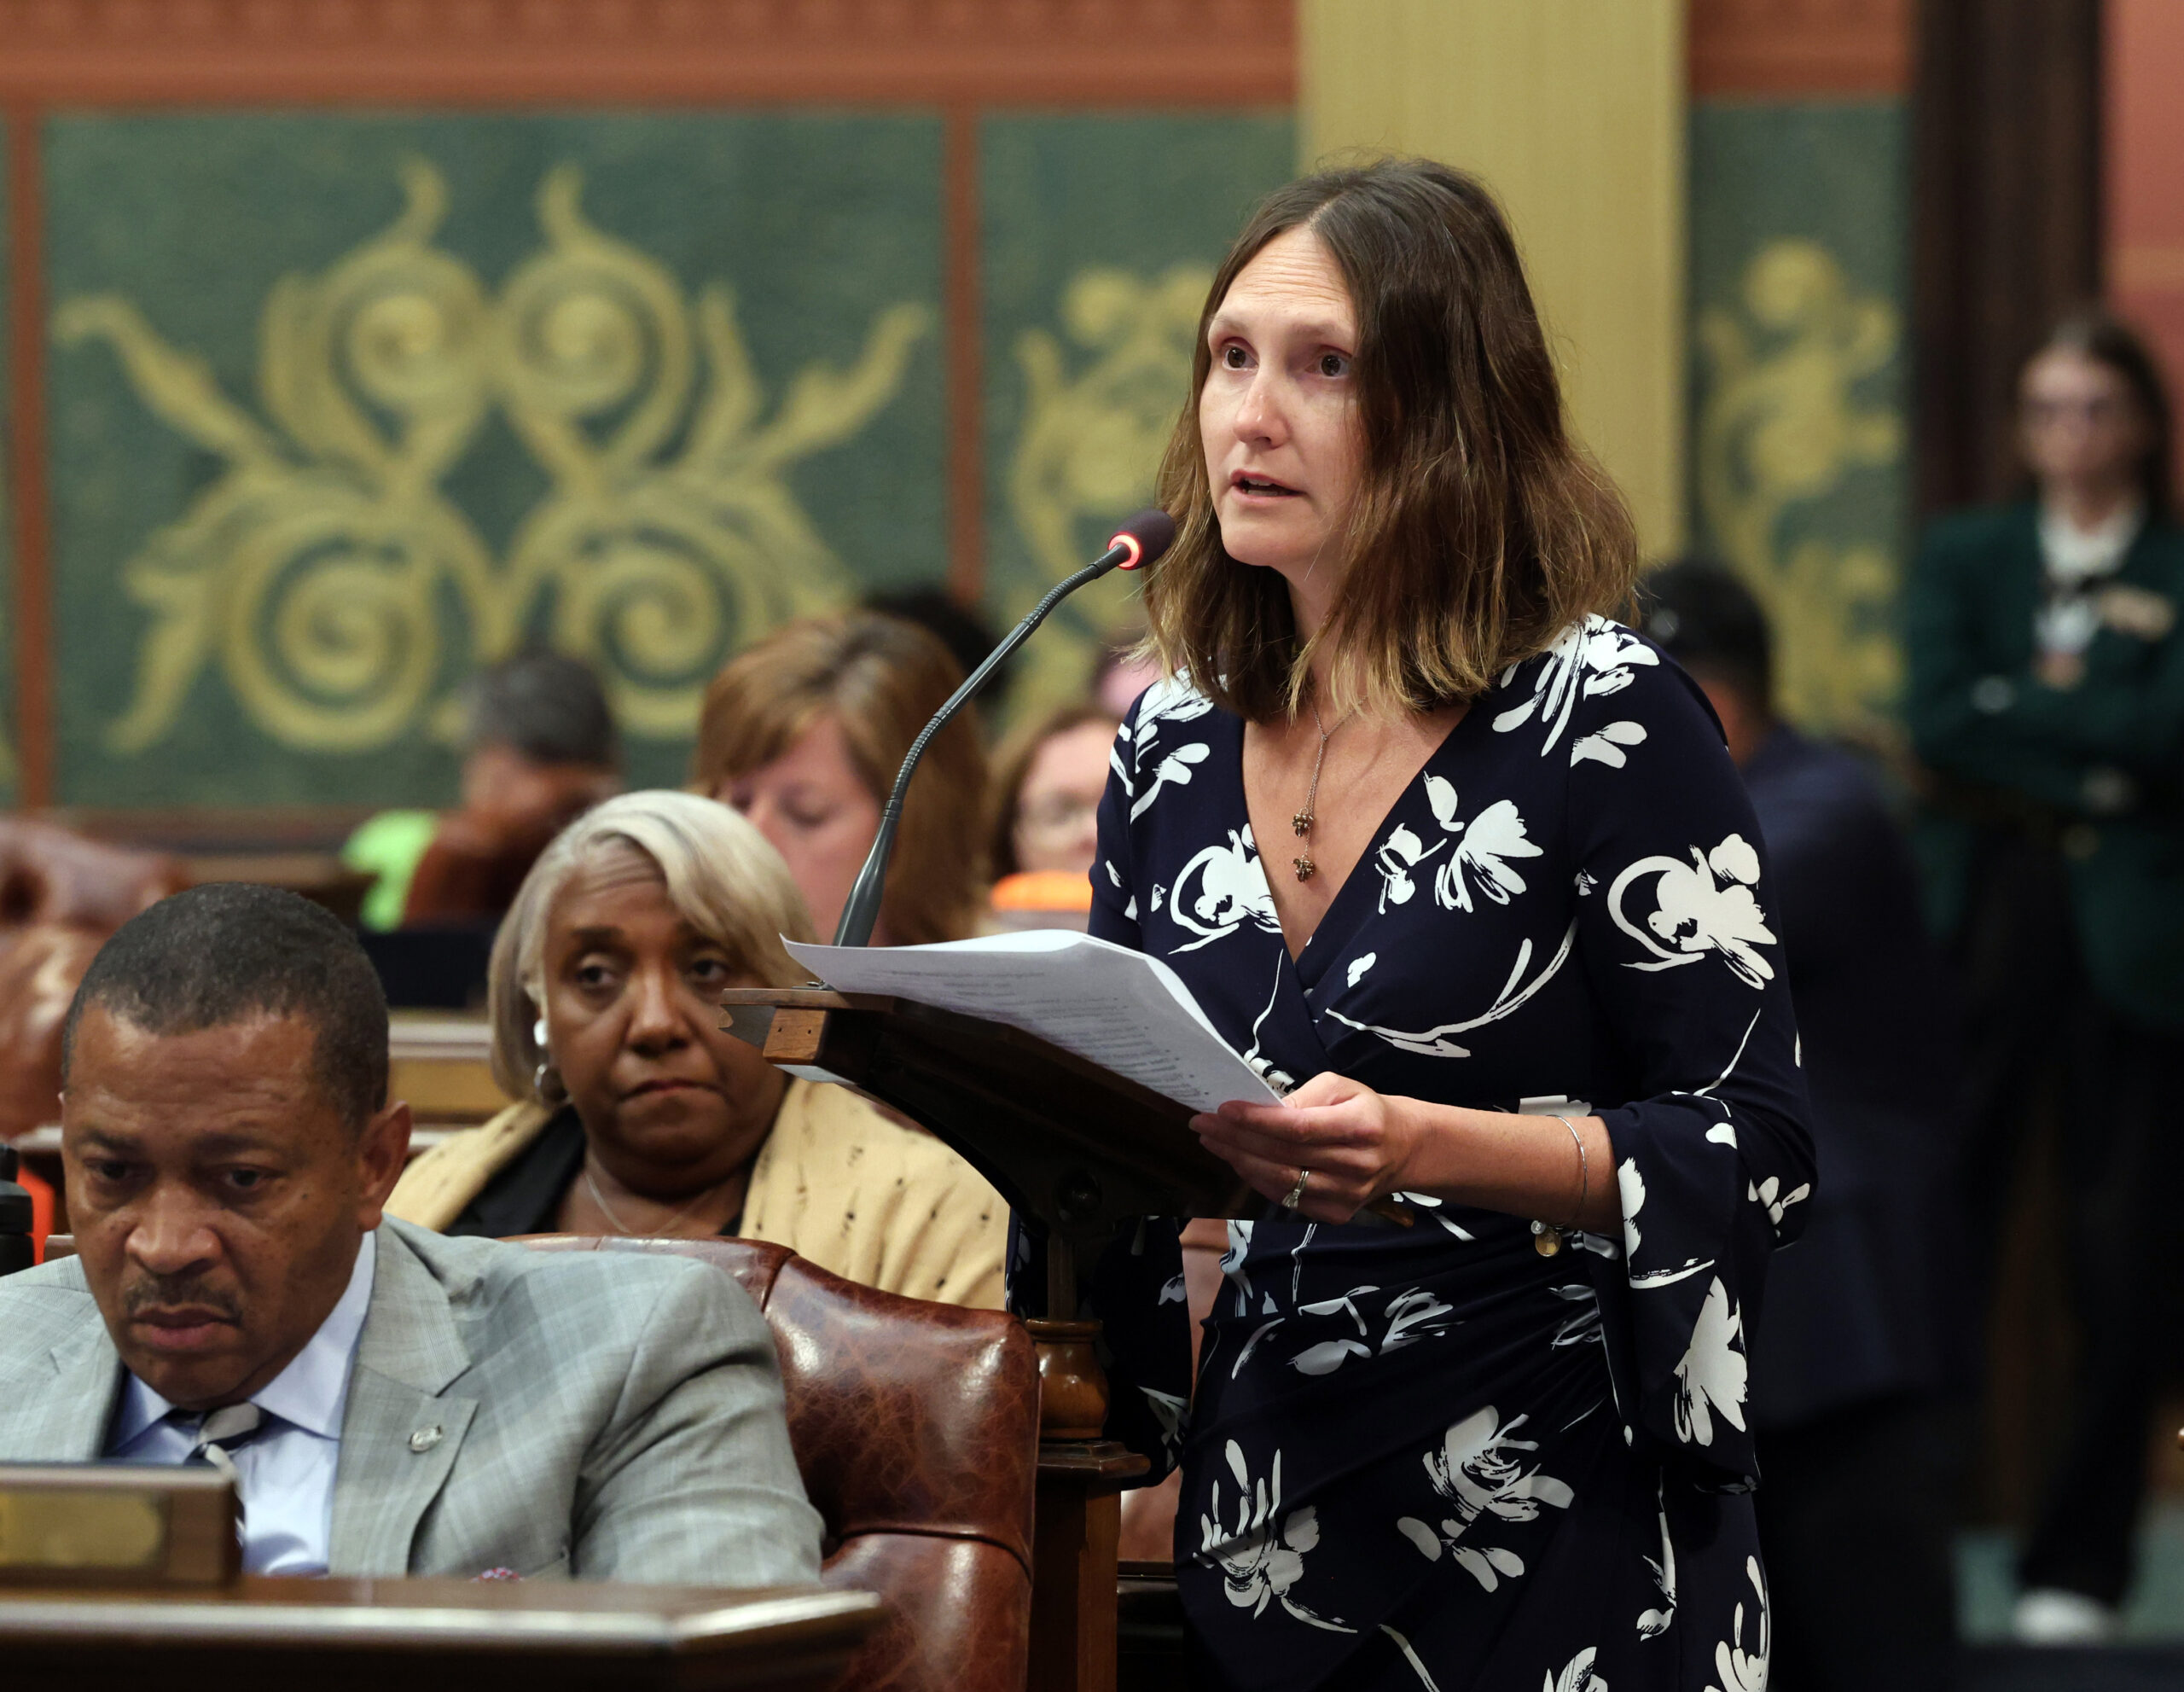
[
  {"x": 1175, "y": 770},
  {"x": 1401, "y": 852},
  {"x": 1170, "y": 700},
  {"x": 1631, "y": 1185},
  {"x": 1593, "y": 658},
  {"x": 1605, "y": 747},
  {"x": 1653, "y": 1623},
  {"x": 1231, "y": 1265},
  {"x": 1770, "y": 1192},
  {"x": 1329, "y": 1355},
  {"x": 1433, "y": 1207},
  {"x": 1577, "y": 1675},
  {"x": 1581, "y": 1327},
  {"x": 1703, "y": 906},
  {"x": 1280, "y": 1079},
  {"x": 1481, "y": 860},
  {"x": 1410, "y": 1317},
  {"x": 1410, "y": 1656},
  {"x": 1478, "y": 1474},
  {"x": 1738, "y": 1669},
  {"x": 1436, "y": 1043},
  {"x": 1262, "y": 1557},
  {"x": 1711, "y": 1377},
  {"x": 1220, "y": 890},
  {"x": 1170, "y": 1411}
]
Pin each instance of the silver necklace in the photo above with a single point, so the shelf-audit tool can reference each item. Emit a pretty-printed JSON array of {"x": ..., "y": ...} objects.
[
  {"x": 623, "y": 1228},
  {"x": 1301, "y": 822}
]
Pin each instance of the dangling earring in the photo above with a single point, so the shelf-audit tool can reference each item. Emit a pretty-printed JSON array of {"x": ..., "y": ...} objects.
[{"x": 544, "y": 1080}]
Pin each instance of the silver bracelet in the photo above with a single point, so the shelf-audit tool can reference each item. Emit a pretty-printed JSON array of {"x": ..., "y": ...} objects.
[{"x": 1584, "y": 1172}]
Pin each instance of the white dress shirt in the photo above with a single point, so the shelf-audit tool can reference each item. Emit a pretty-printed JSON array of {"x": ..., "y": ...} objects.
[
  {"x": 286, "y": 1473},
  {"x": 2075, "y": 561}
]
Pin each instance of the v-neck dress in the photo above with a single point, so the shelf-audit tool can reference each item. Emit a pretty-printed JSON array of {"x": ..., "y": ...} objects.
[{"x": 1433, "y": 1456}]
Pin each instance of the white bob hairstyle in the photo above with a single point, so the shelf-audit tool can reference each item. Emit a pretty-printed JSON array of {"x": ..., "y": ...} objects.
[{"x": 723, "y": 879}]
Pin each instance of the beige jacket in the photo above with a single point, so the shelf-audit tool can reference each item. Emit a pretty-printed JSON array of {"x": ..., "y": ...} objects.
[{"x": 837, "y": 1182}]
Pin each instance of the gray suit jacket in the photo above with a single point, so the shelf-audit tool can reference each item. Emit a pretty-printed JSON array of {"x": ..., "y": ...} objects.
[{"x": 600, "y": 1417}]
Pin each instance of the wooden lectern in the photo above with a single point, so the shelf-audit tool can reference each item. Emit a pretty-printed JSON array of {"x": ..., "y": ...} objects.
[{"x": 1075, "y": 1149}]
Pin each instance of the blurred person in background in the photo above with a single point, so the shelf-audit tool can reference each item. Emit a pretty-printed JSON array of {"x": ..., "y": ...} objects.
[
  {"x": 804, "y": 734},
  {"x": 2047, "y": 696},
  {"x": 1858, "y": 1366},
  {"x": 1125, "y": 670},
  {"x": 968, "y": 635},
  {"x": 1047, "y": 782},
  {"x": 539, "y": 748},
  {"x": 641, "y": 1116}
]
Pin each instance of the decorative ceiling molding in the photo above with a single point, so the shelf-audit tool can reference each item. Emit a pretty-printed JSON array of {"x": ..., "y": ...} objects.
[
  {"x": 1190, "y": 53},
  {"x": 1794, "y": 47}
]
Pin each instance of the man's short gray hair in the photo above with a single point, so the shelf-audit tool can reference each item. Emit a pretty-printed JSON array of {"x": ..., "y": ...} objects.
[{"x": 723, "y": 879}]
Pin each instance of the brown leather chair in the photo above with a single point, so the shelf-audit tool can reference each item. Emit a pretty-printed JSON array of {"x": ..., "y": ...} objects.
[
  {"x": 916, "y": 1427},
  {"x": 60, "y": 896},
  {"x": 48, "y": 873}
]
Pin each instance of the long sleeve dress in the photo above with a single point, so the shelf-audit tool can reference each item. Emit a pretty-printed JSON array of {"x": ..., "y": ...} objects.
[{"x": 1435, "y": 1457}]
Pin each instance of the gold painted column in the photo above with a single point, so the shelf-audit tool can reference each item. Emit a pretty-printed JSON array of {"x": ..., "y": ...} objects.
[{"x": 1573, "y": 111}]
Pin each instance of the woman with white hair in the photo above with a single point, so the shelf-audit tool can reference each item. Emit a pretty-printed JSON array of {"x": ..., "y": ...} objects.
[{"x": 639, "y": 1116}]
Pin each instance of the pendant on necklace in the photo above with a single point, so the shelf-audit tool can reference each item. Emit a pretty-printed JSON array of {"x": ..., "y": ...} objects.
[
  {"x": 1546, "y": 1240},
  {"x": 1305, "y": 867},
  {"x": 1300, "y": 823}
]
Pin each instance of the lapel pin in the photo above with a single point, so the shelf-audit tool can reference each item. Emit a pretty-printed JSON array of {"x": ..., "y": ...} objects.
[{"x": 424, "y": 1438}]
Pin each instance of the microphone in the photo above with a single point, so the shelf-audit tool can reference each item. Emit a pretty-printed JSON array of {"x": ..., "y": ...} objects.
[
  {"x": 16, "y": 1252},
  {"x": 1138, "y": 543}
]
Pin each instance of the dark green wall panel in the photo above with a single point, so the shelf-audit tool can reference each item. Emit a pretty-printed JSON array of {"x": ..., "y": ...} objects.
[
  {"x": 340, "y": 405},
  {"x": 1799, "y": 427},
  {"x": 1100, "y": 235}
]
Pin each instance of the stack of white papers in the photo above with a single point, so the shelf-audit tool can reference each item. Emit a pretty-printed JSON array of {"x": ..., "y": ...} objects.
[{"x": 1118, "y": 1009}]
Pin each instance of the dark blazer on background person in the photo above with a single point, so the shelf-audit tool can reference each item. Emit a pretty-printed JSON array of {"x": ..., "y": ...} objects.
[
  {"x": 1863, "y": 1309},
  {"x": 2100, "y": 767}
]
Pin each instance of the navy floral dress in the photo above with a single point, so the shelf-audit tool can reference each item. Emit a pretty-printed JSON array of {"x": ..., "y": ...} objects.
[{"x": 1431, "y": 1457}]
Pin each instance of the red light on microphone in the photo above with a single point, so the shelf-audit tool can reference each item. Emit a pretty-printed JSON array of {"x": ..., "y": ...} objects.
[{"x": 1145, "y": 537}]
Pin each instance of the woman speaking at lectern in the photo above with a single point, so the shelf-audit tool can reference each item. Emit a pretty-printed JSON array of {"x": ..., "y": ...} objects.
[{"x": 1464, "y": 867}]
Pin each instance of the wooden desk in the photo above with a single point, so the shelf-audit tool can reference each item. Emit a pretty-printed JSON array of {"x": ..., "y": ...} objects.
[{"x": 434, "y": 1636}]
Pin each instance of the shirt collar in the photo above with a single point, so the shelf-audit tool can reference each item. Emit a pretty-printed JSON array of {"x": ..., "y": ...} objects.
[
  {"x": 2075, "y": 555},
  {"x": 310, "y": 1394}
]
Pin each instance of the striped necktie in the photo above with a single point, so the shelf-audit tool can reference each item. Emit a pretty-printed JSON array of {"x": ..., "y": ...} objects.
[{"x": 220, "y": 1433}]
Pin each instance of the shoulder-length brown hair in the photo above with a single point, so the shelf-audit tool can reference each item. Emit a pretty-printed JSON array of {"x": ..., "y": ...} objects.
[
  {"x": 883, "y": 679},
  {"x": 1481, "y": 529}
]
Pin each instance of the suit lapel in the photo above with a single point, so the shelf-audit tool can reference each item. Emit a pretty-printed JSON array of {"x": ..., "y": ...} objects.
[
  {"x": 65, "y": 1420},
  {"x": 400, "y": 1430}
]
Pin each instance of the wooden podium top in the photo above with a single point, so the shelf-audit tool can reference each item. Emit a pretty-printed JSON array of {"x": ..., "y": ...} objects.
[{"x": 474, "y": 1635}]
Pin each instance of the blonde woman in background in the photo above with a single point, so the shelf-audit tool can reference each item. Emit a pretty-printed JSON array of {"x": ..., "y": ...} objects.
[
  {"x": 804, "y": 733},
  {"x": 639, "y": 1116}
]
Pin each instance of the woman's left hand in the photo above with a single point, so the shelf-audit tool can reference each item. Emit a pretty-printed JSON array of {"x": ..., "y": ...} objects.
[{"x": 1355, "y": 1141}]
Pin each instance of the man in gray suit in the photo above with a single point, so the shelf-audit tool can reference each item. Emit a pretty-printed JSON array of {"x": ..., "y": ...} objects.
[{"x": 389, "y": 1402}]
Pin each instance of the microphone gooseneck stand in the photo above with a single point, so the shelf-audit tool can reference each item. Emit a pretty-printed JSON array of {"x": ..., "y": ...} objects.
[
  {"x": 1138, "y": 544},
  {"x": 1081, "y": 1473}
]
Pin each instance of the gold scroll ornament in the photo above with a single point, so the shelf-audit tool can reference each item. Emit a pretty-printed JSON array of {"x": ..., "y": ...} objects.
[
  {"x": 1780, "y": 426},
  {"x": 313, "y": 569},
  {"x": 1091, "y": 443}
]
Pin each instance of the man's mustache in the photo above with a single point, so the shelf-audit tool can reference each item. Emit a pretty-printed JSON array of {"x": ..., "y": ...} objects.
[{"x": 174, "y": 1292}]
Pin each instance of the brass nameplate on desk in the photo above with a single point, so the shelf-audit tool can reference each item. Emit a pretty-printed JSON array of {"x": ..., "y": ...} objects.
[{"x": 116, "y": 1525}]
